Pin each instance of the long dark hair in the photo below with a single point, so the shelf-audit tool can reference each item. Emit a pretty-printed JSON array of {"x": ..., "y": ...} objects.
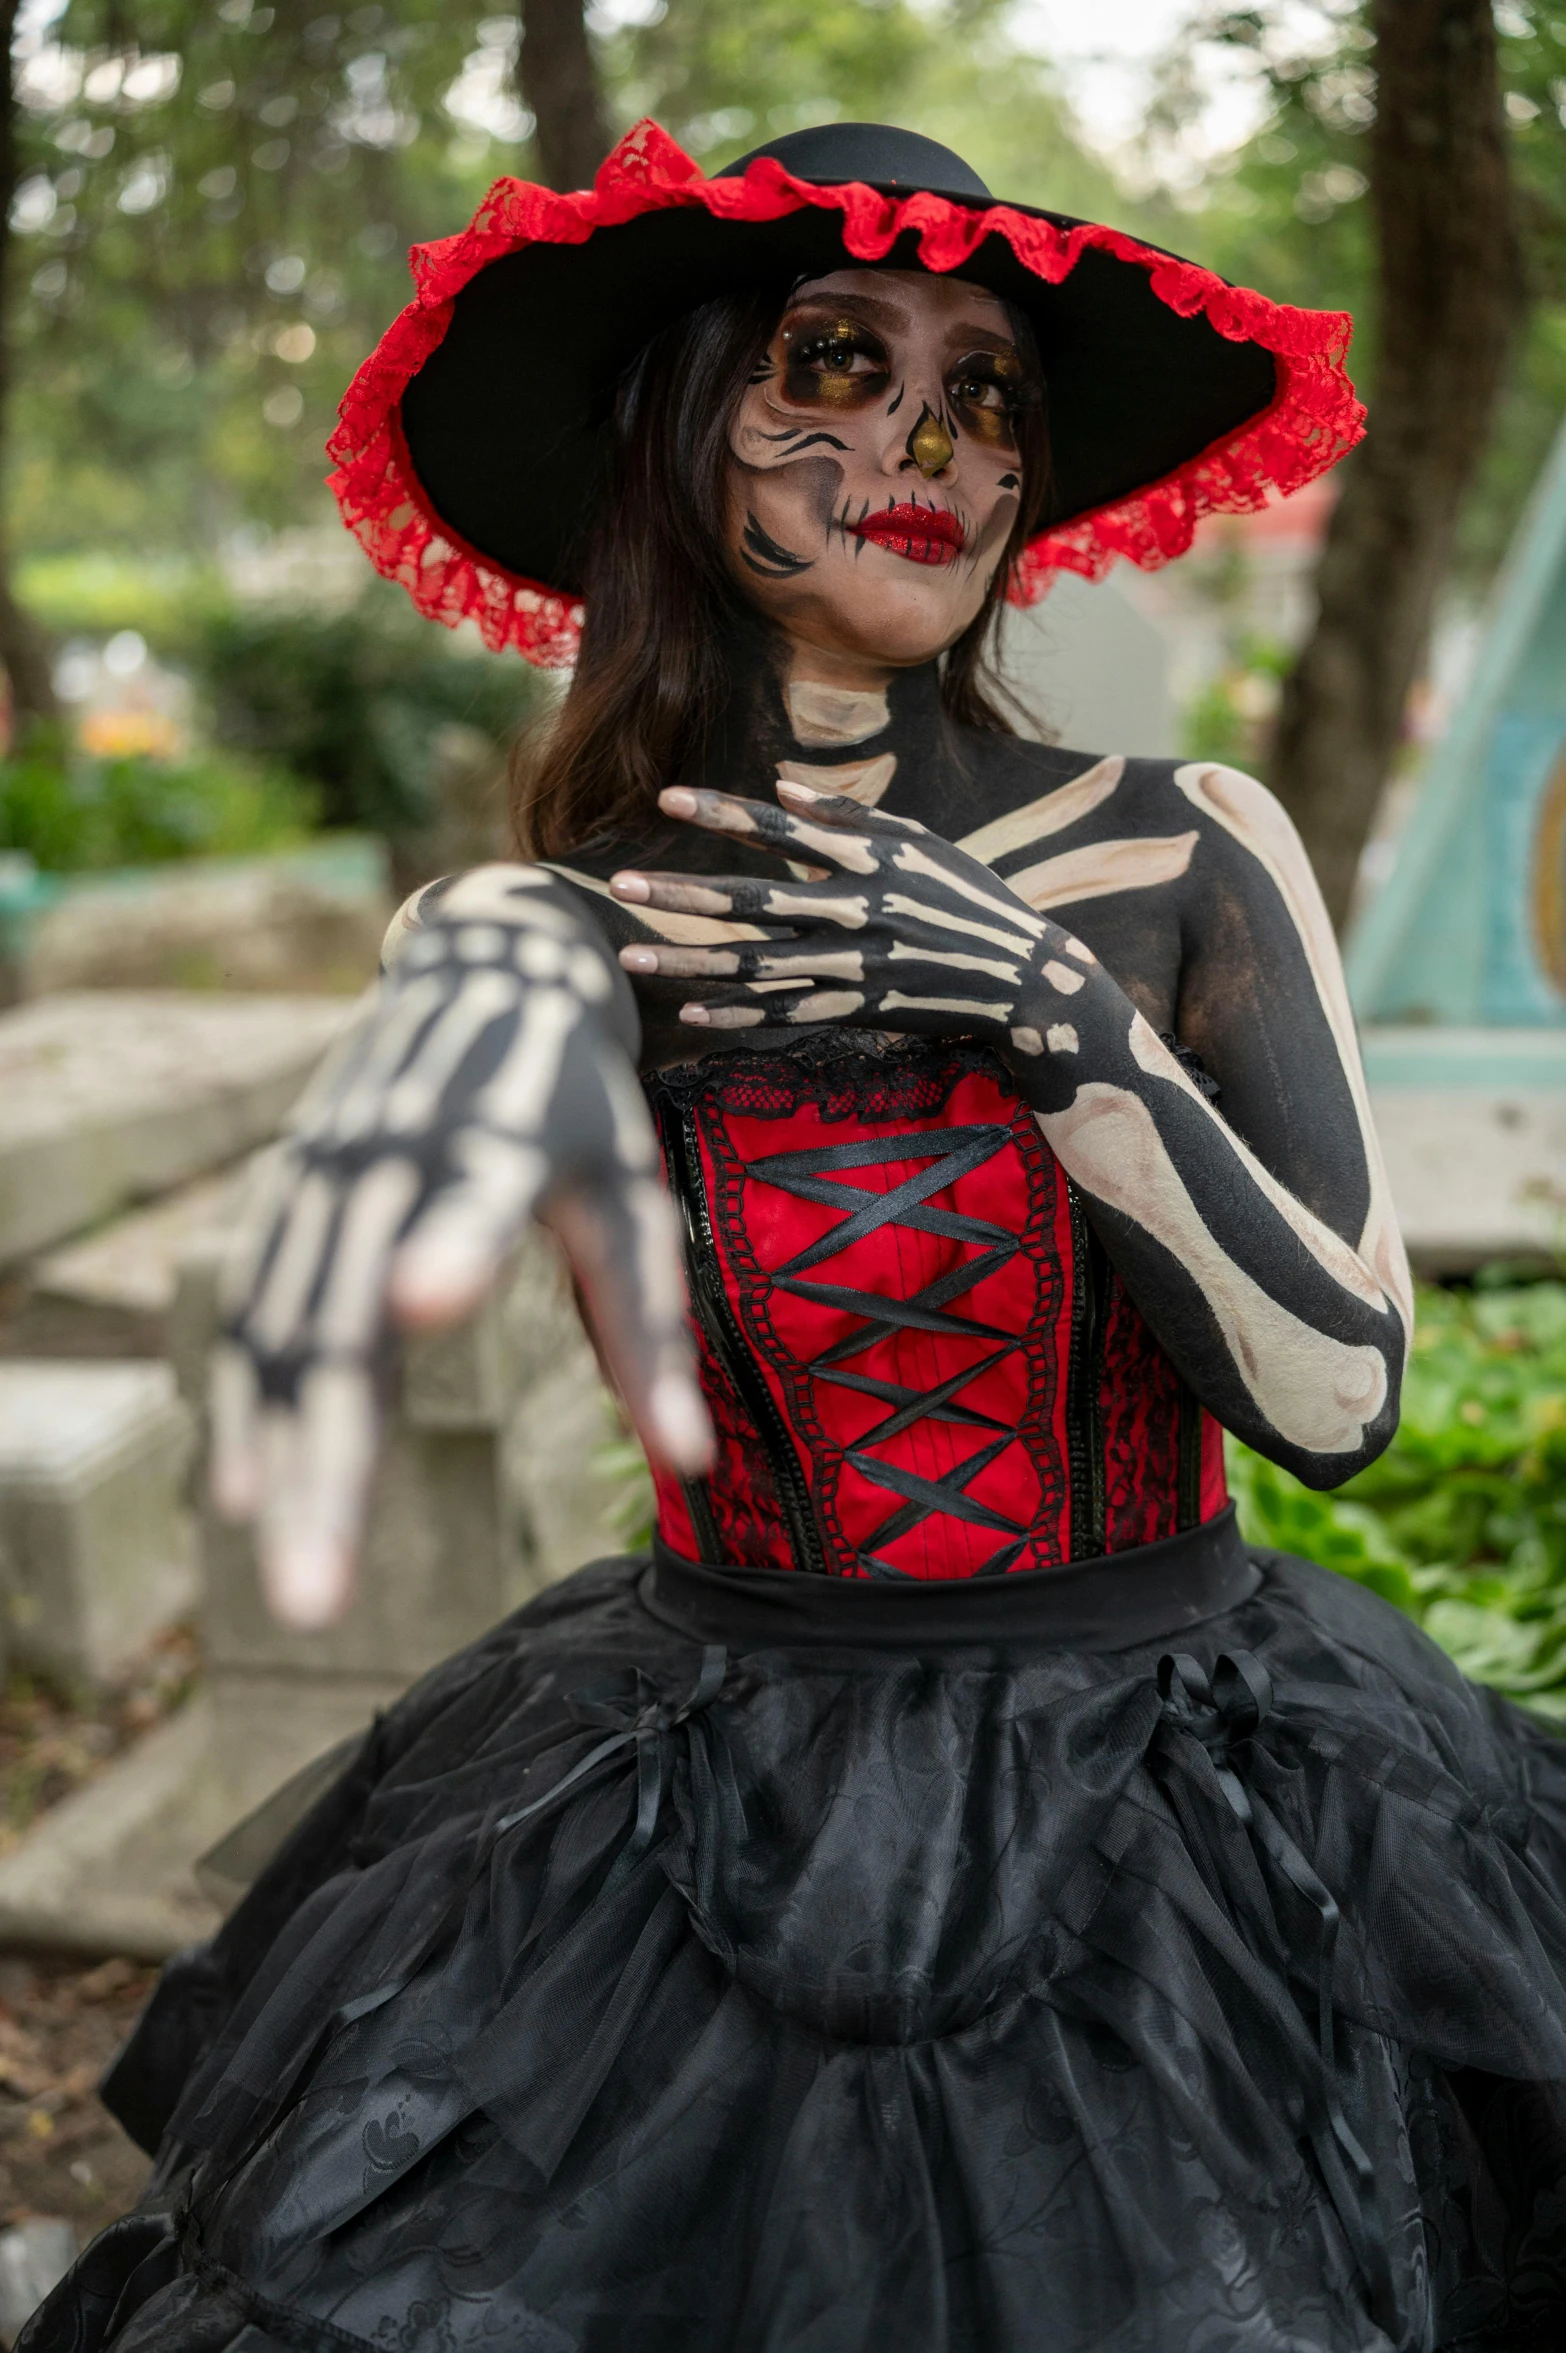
[{"x": 650, "y": 676}]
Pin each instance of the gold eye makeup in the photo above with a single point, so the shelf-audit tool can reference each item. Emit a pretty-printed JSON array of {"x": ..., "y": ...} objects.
[
  {"x": 987, "y": 388},
  {"x": 830, "y": 361}
]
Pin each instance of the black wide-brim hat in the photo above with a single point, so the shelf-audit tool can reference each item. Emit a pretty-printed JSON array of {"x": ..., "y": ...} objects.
[{"x": 471, "y": 442}]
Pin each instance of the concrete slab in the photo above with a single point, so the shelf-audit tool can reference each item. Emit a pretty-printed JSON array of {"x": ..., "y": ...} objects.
[
  {"x": 132, "y": 1264},
  {"x": 96, "y": 1546},
  {"x": 116, "y": 1095},
  {"x": 115, "y": 1867},
  {"x": 1476, "y": 1174},
  {"x": 110, "y": 1869},
  {"x": 309, "y": 918},
  {"x": 489, "y": 1488},
  {"x": 34, "y": 2257}
]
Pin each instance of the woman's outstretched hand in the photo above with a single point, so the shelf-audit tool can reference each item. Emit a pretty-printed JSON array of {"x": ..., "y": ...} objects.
[
  {"x": 897, "y": 931},
  {"x": 494, "y": 1081}
]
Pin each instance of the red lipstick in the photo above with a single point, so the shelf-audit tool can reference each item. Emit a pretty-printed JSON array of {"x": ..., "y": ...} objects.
[{"x": 925, "y": 535}]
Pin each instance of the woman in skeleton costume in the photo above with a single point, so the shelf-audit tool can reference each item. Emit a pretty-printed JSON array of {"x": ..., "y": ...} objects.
[{"x": 953, "y": 1894}]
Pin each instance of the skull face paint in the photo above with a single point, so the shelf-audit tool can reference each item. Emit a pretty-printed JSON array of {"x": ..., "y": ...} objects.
[{"x": 876, "y": 475}]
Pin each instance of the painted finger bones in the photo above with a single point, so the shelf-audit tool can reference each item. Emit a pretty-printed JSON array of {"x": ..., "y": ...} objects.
[
  {"x": 903, "y": 932},
  {"x": 1294, "y": 1337},
  {"x": 497, "y": 1079}
]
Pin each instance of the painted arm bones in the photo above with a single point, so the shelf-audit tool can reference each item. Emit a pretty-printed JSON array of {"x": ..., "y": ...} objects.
[
  {"x": 493, "y": 1079},
  {"x": 1294, "y": 1334}
]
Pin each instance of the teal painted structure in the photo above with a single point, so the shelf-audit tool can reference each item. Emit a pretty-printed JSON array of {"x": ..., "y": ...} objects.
[{"x": 1460, "y": 942}]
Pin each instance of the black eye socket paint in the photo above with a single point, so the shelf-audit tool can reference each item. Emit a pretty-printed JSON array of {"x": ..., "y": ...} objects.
[
  {"x": 818, "y": 362},
  {"x": 768, "y": 556}
]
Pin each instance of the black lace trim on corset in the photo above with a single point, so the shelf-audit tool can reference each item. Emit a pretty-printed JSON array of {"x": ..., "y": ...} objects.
[
  {"x": 863, "y": 1074},
  {"x": 843, "y": 1073},
  {"x": 1192, "y": 1064}
]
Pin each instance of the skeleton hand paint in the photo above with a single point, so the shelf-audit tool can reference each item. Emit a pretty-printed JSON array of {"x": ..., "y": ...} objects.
[
  {"x": 494, "y": 1079},
  {"x": 877, "y": 473},
  {"x": 906, "y": 933},
  {"x": 1291, "y": 1335}
]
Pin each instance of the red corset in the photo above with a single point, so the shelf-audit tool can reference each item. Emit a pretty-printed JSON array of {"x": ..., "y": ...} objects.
[{"x": 918, "y": 1359}]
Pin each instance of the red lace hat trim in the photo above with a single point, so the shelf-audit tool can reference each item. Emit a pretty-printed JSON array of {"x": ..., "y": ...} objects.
[{"x": 1312, "y": 420}]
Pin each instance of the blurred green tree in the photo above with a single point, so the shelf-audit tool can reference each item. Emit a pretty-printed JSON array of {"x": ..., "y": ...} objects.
[
  {"x": 212, "y": 221},
  {"x": 1444, "y": 271},
  {"x": 210, "y": 208},
  {"x": 725, "y": 75},
  {"x": 24, "y": 650},
  {"x": 1289, "y": 211},
  {"x": 399, "y": 731},
  {"x": 1449, "y": 297},
  {"x": 564, "y": 91},
  {"x": 216, "y": 210}
]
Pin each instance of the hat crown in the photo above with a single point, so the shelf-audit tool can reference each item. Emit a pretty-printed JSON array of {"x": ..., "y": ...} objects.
[{"x": 830, "y": 154}]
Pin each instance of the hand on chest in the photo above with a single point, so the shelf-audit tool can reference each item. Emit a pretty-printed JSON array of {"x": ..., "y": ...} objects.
[{"x": 1100, "y": 848}]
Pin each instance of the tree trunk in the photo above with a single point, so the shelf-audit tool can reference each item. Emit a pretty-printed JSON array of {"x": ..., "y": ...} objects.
[
  {"x": 1449, "y": 298},
  {"x": 560, "y": 84},
  {"x": 23, "y": 648}
]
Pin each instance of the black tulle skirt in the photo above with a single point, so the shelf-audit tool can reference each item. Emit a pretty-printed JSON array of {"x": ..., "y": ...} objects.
[{"x": 1164, "y": 1956}]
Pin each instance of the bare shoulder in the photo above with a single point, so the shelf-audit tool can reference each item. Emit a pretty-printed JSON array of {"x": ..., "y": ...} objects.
[
  {"x": 1045, "y": 792},
  {"x": 411, "y": 918},
  {"x": 505, "y": 892},
  {"x": 1247, "y": 812}
]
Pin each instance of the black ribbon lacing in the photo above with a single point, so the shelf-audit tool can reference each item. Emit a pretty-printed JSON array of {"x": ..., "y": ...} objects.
[
  {"x": 1223, "y": 1714},
  {"x": 823, "y": 1175},
  {"x": 649, "y": 1727},
  {"x": 647, "y": 1722}
]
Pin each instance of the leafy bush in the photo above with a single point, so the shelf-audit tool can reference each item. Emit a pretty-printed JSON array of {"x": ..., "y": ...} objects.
[
  {"x": 357, "y": 701},
  {"x": 95, "y": 593},
  {"x": 1462, "y": 1522},
  {"x": 1231, "y": 717},
  {"x": 72, "y": 813}
]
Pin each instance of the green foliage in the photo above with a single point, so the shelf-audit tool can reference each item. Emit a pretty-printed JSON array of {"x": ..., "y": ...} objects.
[
  {"x": 370, "y": 704},
  {"x": 73, "y": 814},
  {"x": 1462, "y": 1521},
  {"x": 357, "y": 701},
  {"x": 1230, "y": 717},
  {"x": 214, "y": 210},
  {"x": 167, "y": 599},
  {"x": 724, "y": 75},
  {"x": 723, "y": 78},
  {"x": 622, "y": 1467},
  {"x": 203, "y": 260},
  {"x": 1288, "y": 211}
]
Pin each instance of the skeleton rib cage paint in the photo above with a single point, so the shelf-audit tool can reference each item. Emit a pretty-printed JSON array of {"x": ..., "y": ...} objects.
[{"x": 918, "y": 1359}]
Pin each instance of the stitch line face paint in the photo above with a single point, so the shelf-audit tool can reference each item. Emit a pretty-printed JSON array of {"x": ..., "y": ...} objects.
[{"x": 875, "y": 462}]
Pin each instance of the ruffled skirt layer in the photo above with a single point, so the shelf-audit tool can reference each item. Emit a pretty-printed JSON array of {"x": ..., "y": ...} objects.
[{"x": 1171, "y": 1962}]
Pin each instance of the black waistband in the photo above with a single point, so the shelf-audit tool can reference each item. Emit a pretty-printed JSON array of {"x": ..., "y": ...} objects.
[{"x": 1121, "y": 1599}]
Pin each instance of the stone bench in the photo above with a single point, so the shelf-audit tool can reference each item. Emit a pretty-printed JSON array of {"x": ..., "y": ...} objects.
[
  {"x": 96, "y": 1545},
  {"x": 113, "y": 1096}
]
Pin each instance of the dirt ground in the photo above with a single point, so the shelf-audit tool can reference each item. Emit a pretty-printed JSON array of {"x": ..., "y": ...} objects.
[
  {"x": 53, "y": 1739},
  {"x": 61, "y": 2153},
  {"x": 61, "y": 2021}
]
